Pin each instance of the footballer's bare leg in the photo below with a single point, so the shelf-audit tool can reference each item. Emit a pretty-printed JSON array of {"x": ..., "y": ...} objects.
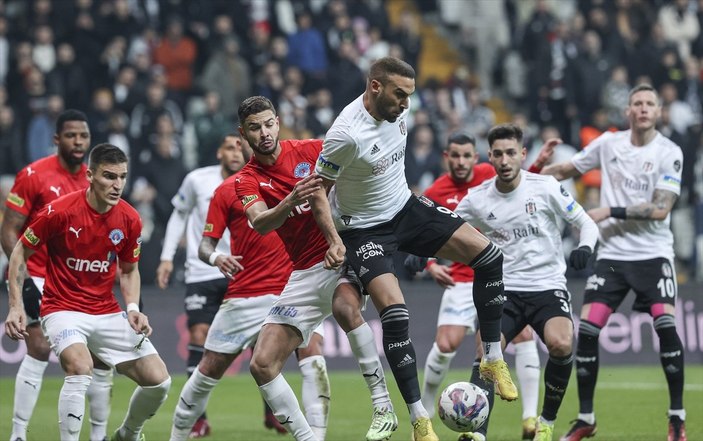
[
  {"x": 275, "y": 344},
  {"x": 472, "y": 248}
]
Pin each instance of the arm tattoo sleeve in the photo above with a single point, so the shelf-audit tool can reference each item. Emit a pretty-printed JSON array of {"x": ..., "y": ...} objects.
[
  {"x": 662, "y": 203},
  {"x": 207, "y": 247}
]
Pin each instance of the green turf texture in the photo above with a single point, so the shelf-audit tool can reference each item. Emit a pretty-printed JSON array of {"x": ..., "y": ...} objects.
[{"x": 631, "y": 404}]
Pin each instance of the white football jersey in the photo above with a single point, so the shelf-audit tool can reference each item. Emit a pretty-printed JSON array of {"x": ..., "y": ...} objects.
[
  {"x": 526, "y": 224},
  {"x": 194, "y": 197},
  {"x": 630, "y": 174},
  {"x": 366, "y": 158}
]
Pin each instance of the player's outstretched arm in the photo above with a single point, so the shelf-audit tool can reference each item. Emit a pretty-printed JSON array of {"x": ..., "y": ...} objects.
[
  {"x": 561, "y": 171},
  {"x": 16, "y": 322},
  {"x": 658, "y": 209},
  {"x": 10, "y": 230},
  {"x": 544, "y": 155},
  {"x": 175, "y": 228},
  {"x": 334, "y": 257},
  {"x": 227, "y": 264}
]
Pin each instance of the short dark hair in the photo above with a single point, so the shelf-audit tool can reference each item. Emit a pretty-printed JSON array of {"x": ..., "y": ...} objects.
[
  {"x": 69, "y": 115},
  {"x": 383, "y": 67},
  {"x": 106, "y": 154},
  {"x": 640, "y": 88},
  {"x": 504, "y": 131},
  {"x": 254, "y": 105},
  {"x": 461, "y": 139}
]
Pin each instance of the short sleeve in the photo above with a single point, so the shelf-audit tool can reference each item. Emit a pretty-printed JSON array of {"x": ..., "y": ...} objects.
[
  {"x": 338, "y": 151},
  {"x": 21, "y": 196},
  {"x": 217, "y": 213},
  {"x": 670, "y": 171},
  {"x": 464, "y": 210},
  {"x": 41, "y": 230},
  {"x": 185, "y": 198},
  {"x": 589, "y": 158},
  {"x": 247, "y": 189},
  {"x": 133, "y": 248}
]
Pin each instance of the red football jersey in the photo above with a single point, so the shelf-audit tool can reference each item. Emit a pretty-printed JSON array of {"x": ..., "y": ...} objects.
[
  {"x": 447, "y": 192},
  {"x": 35, "y": 186},
  {"x": 264, "y": 258},
  {"x": 258, "y": 182},
  {"x": 83, "y": 247}
]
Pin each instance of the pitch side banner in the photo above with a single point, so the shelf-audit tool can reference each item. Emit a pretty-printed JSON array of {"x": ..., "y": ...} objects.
[{"x": 628, "y": 338}]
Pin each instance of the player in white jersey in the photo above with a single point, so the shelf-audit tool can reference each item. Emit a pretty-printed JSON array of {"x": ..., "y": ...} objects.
[
  {"x": 524, "y": 214},
  {"x": 641, "y": 180},
  {"x": 376, "y": 215},
  {"x": 205, "y": 285}
]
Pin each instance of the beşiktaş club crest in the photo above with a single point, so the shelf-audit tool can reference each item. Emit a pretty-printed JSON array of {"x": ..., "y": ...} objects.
[
  {"x": 302, "y": 170},
  {"x": 116, "y": 236},
  {"x": 403, "y": 129},
  {"x": 531, "y": 207}
]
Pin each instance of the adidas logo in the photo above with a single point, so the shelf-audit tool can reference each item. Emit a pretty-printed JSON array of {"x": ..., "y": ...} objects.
[
  {"x": 498, "y": 300},
  {"x": 491, "y": 216},
  {"x": 406, "y": 360},
  {"x": 363, "y": 270},
  {"x": 375, "y": 149}
]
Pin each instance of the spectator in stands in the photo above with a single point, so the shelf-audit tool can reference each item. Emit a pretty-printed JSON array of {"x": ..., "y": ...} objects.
[
  {"x": 125, "y": 90},
  {"x": 227, "y": 74},
  {"x": 346, "y": 67},
  {"x": 120, "y": 21},
  {"x": 680, "y": 25},
  {"x": 99, "y": 115},
  {"x": 44, "y": 52},
  {"x": 13, "y": 158},
  {"x": 145, "y": 114},
  {"x": 407, "y": 35},
  {"x": 210, "y": 128},
  {"x": 615, "y": 96},
  {"x": 306, "y": 48},
  {"x": 41, "y": 130},
  {"x": 176, "y": 52},
  {"x": 270, "y": 82},
  {"x": 68, "y": 78},
  {"x": 423, "y": 162},
  {"x": 681, "y": 113}
]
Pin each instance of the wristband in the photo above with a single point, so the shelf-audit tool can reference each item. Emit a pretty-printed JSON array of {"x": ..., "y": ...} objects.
[
  {"x": 534, "y": 168},
  {"x": 132, "y": 307},
  {"x": 618, "y": 212},
  {"x": 214, "y": 256}
]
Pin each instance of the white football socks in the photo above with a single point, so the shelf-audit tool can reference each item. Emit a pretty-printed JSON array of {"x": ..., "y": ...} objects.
[
  {"x": 316, "y": 393},
  {"x": 144, "y": 403},
  {"x": 98, "y": 394},
  {"x": 191, "y": 404},
  {"x": 527, "y": 369},
  {"x": 284, "y": 404},
  {"x": 363, "y": 345},
  {"x": 27, "y": 387},
  {"x": 72, "y": 406},
  {"x": 436, "y": 367}
]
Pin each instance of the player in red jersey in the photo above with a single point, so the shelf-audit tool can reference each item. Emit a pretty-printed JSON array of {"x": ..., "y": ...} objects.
[
  {"x": 87, "y": 234},
  {"x": 248, "y": 299},
  {"x": 457, "y": 313},
  {"x": 279, "y": 176},
  {"x": 36, "y": 185}
]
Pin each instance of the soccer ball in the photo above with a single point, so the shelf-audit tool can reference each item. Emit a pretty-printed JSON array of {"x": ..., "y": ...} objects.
[{"x": 463, "y": 407}]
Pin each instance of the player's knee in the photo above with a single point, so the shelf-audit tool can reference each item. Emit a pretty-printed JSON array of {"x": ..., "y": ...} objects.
[
  {"x": 347, "y": 316},
  {"x": 262, "y": 370},
  {"x": 561, "y": 346},
  {"x": 447, "y": 343},
  {"x": 488, "y": 265}
]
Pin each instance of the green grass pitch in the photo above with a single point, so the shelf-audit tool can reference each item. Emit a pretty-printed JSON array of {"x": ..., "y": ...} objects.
[{"x": 631, "y": 404}]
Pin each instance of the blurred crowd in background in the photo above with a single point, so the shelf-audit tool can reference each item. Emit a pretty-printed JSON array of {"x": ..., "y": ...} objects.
[{"x": 162, "y": 79}]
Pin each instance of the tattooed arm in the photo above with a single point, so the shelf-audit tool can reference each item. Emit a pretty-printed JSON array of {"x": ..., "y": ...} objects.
[
  {"x": 11, "y": 229},
  {"x": 16, "y": 322},
  {"x": 658, "y": 209},
  {"x": 227, "y": 264}
]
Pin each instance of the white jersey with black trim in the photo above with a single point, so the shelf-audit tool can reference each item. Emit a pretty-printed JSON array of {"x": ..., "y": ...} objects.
[
  {"x": 366, "y": 158},
  {"x": 630, "y": 174},
  {"x": 526, "y": 224},
  {"x": 193, "y": 198}
]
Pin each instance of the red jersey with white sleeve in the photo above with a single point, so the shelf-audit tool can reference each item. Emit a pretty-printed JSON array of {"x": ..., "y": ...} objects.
[
  {"x": 264, "y": 258},
  {"x": 35, "y": 186},
  {"x": 301, "y": 236},
  {"x": 83, "y": 248},
  {"x": 447, "y": 192}
]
